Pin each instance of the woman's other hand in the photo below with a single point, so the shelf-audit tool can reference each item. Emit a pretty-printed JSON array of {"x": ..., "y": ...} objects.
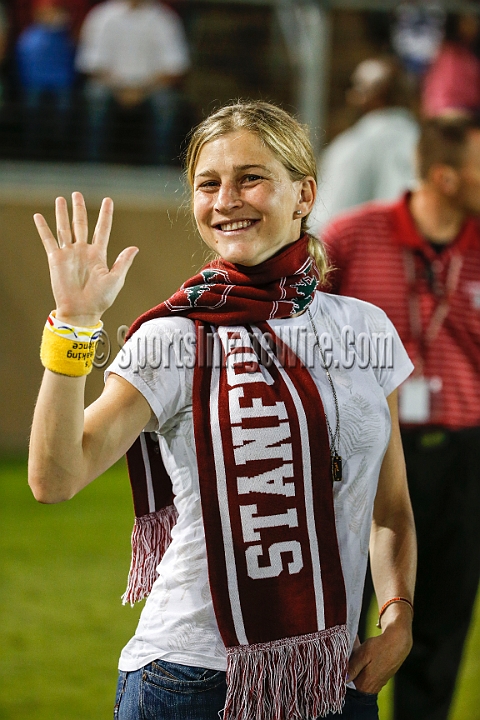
[
  {"x": 82, "y": 284},
  {"x": 375, "y": 661}
]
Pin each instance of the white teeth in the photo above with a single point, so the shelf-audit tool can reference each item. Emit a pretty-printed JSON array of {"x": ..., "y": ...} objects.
[{"x": 236, "y": 225}]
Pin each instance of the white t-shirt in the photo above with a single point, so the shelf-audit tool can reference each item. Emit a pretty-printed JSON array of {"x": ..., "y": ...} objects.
[
  {"x": 367, "y": 362},
  {"x": 133, "y": 44}
]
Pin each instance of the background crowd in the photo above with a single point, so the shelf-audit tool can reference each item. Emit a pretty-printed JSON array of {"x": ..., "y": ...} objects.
[
  {"x": 124, "y": 80},
  {"x": 72, "y": 70}
]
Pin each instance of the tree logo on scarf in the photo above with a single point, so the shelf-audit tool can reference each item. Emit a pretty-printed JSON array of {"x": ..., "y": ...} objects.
[
  {"x": 214, "y": 276},
  {"x": 210, "y": 277},
  {"x": 195, "y": 293},
  {"x": 305, "y": 289}
]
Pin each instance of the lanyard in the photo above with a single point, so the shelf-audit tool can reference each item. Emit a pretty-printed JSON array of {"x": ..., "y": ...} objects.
[{"x": 426, "y": 337}]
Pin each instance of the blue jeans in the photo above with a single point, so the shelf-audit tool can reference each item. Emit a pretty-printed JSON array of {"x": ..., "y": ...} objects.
[
  {"x": 167, "y": 691},
  {"x": 46, "y": 118},
  {"x": 163, "y": 105}
]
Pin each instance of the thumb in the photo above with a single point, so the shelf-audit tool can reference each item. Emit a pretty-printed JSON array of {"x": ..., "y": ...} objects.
[
  {"x": 358, "y": 660},
  {"x": 123, "y": 263}
]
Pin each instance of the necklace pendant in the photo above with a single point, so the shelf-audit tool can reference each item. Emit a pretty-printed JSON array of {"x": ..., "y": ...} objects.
[{"x": 336, "y": 468}]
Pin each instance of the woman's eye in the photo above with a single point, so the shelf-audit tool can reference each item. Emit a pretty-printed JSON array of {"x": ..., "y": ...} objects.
[
  {"x": 214, "y": 184},
  {"x": 207, "y": 185}
]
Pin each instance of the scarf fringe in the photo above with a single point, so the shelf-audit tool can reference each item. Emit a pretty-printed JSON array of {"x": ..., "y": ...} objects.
[
  {"x": 298, "y": 678},
  {"x": 151, "y": 536}
]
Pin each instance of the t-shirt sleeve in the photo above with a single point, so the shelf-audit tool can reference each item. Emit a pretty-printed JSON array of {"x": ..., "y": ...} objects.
[
  {"x": 158, "y": 361},
  {"x": 390, "y": 361}
]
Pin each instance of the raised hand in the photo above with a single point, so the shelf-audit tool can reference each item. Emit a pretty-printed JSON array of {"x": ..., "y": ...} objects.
[{"x": 82, "y": 284}]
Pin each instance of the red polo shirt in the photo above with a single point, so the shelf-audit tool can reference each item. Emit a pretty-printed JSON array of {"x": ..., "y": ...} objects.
[{"x": 380, "y": 257}]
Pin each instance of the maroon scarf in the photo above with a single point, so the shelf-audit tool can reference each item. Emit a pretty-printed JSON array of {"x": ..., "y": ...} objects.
[{"x": 266, "y": 490}]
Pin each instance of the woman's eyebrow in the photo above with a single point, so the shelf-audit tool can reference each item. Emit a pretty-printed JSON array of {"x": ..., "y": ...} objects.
[
  {"x": 237, "y": 168},
  {"x": 249, "y": 167}
]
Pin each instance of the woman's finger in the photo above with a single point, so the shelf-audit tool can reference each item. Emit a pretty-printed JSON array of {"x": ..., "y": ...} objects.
[
  {"x": 79, "y": 218},
  {"x": 123, "y": 263},
  {"x": 64, "y": 233},
  {"x": 103, "y": 227},
  {"x": 46, "y": 235}
]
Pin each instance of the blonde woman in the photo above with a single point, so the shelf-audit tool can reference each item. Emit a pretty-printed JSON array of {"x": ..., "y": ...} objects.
[{"x": 275, "y": 420}]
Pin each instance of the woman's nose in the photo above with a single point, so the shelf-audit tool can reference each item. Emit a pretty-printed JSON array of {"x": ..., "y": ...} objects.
[{"x": 228, "y": 198}]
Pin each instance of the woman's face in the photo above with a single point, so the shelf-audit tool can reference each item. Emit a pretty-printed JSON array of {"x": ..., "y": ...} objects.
[{"x": 244, "y": 202}]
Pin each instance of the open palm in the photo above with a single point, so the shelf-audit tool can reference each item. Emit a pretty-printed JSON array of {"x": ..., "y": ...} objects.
[{"x": 82, "y": 284}]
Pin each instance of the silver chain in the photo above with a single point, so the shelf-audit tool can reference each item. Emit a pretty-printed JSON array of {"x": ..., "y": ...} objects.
[{"x": 334, "y": 437}]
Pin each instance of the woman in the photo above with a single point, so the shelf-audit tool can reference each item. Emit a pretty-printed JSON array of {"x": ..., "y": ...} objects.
[{"x": 276, "y": 461}]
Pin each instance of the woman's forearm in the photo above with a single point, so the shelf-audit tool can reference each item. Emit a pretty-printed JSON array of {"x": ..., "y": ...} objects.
[
  {"x": 393, "y": 548},
  {"x": 393, "y": 563},
  {"x": 70, "y": 447},
  {"x": 56, "y": 468}
]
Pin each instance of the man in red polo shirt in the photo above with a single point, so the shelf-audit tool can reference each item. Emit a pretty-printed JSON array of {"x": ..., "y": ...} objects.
[{"x": 419, "y": 260}]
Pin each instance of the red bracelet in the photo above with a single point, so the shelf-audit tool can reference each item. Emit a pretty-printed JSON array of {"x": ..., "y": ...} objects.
[{"x": 390, "y": 602}]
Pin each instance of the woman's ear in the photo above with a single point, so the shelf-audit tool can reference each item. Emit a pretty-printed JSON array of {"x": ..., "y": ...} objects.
[{"x": 308, "y": 193}]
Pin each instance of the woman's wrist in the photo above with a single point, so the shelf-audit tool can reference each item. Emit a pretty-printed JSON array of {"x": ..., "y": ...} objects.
[
  {"x": 69, "y": 349},
  {"x": 80, "y": 320},
  {"x": 398, "y": 633},
  {"x": 397, "y": 611}
]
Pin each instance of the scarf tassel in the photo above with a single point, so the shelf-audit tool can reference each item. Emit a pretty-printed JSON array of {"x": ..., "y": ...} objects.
[
  {"x": 297, "y": 678},
  {"x": 151, "y": 536}
]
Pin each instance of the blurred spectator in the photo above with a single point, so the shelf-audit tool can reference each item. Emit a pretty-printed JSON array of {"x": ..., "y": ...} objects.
[
  {"x": 374, "y": 159},
  {"x": 452, "y": 83},
  {"x": 45, "y": 58},
  {"x": 417, "y": 32},
  {"x": 22, "y": 14},
  {"x": 134, "y": 52}
]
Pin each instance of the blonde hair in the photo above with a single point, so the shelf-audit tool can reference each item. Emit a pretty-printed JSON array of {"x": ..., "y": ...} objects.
[{"x": 280, "y": 132}]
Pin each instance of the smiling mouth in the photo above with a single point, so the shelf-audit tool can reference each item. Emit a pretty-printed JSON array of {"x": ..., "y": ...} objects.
[{"x": 235, "y": 225}]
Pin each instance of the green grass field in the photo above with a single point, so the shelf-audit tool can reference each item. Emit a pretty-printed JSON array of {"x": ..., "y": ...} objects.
[{"x": 63, "y": 569}]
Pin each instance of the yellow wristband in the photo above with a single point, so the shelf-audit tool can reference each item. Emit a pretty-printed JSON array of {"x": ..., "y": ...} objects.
[{"x": 66, "y": 357}]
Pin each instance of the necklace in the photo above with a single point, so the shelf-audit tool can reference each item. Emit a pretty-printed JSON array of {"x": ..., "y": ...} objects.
[{"x": 335, "y": 457}]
